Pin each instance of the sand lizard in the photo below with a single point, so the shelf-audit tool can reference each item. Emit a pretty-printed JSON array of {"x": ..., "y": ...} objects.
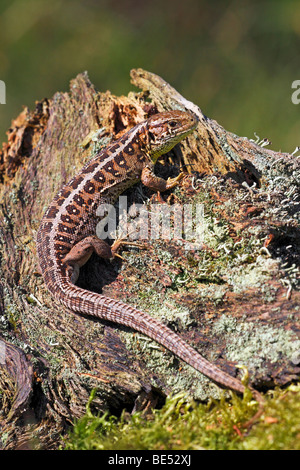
[{"x": 66, "y": 237}]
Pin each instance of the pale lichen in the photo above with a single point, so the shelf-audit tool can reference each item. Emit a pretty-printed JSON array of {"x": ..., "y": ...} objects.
[{"x": 253, "y": 345}]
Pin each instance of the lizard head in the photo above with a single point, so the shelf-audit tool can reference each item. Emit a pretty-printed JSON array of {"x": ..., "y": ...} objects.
[{"x": 166, "y": 129}]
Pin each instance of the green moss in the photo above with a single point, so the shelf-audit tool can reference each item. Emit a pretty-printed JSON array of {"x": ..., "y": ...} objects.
[
  {"x": 186, "y": 425},
  {"x": 11, "y": 316}
]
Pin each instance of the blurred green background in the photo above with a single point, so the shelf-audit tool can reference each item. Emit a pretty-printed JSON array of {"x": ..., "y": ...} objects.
[{"x": 235, "y": 59}]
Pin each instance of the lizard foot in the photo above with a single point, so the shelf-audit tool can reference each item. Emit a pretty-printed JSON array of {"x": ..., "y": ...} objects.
[
  {"x": 172, "y": 182},
  {"x": 118, "y": 244}
]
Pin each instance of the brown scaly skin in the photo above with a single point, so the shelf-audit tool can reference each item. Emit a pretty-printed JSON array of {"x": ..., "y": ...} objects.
[{"x": 66, "y": 237}]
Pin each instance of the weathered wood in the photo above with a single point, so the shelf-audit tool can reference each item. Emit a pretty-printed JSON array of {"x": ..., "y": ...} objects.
[{"x": 236, "y": 300}]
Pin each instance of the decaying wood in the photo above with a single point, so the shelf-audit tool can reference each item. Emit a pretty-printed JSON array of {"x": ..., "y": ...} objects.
[{"x": 236, "y": 299}]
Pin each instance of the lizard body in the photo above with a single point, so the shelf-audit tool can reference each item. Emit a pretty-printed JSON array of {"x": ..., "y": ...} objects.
[{"x": 66, "y": 237}]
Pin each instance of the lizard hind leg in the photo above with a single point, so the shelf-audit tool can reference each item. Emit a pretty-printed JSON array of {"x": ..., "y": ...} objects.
[
  {"x": 82, "y": 251},
  {"x": 122, "y": 241}
]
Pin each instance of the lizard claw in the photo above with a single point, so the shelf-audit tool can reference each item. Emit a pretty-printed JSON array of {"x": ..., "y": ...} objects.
[
  {"x": 121, "y": 241},
  {"x": 171, "y": 182}
]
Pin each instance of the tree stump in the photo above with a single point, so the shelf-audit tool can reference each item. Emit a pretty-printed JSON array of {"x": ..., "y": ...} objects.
[{"x": 236, "y": 299}]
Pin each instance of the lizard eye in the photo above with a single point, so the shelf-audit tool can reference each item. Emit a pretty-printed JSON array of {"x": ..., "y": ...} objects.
[{"x": 172, "y": 123}]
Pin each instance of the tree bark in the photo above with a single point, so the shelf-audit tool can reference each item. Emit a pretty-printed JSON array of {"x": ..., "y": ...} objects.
[{"x": 236, "y": 300}]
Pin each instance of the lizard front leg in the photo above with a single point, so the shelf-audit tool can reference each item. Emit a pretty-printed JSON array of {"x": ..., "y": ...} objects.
[{"x": 155, "y": 183}]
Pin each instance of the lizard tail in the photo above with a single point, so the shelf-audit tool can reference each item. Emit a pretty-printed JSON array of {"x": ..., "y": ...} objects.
[{"x": 97, "y": 305}]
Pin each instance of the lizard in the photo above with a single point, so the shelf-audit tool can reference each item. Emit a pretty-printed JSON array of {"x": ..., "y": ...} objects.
[{"x": 66, "y": 236}]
